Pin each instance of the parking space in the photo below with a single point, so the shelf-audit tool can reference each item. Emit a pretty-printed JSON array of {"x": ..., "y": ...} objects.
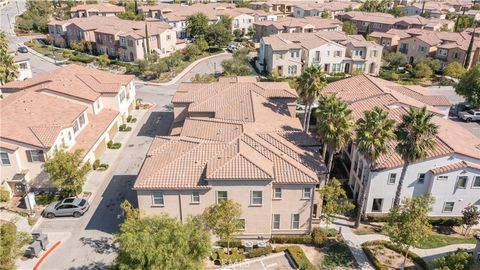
[{"x": 274, "y": 262}]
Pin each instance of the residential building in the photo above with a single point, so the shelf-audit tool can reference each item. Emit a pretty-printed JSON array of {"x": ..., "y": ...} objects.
[
  {"x": 304, "y": 9},
  {"x": 335, "y": 52},
  {"x": 100, "y": 9},
  {"x": 430, "y": 9},
  {"x": 115, "y": 37},
  {"x": 70, "y": 108},
  {"x": 389, "y": 40},
  {"x": 235, "y": 139},
  {"x": 24, "y": 70},
  {"x": 295, "y": 25},
  {"x": 4, "y": 2},
  {"x": 450, "y": 172}
]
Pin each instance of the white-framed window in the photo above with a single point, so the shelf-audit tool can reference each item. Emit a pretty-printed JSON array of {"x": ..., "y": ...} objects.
[
  {"x": 157, "y": 198},
  {"x": 476, "y": 182},
  {"x": 336, "y": 67},
  {"x": 392, "y": 178},
  {"x": 338, "y": 54},
  {"x": 256, "y": 197},
  {"x": 421, "y": 178},
  {"x": 294, "y": 54},
  {"x": 195, "y": 197},
  {"x": 121, "y": 95},
  {"x": 317, "y": 56},
  {"x": 241, "y": 224},
  {"x": 279, "y": 56},
  {"x": 307, "y": 193},
  {"x": 358, "y": 52},
  {"x": 36, "y": 155},
  {"x": 4, "y": 158},
  {"x": 374, "y": 53},
  {"x": 295, "y": 221},
  {"x": 222, "y": 196},
  {"x": 448, "y": 207},
  {"x": 462, "y": 182},
  {"x": 75, "y": 126},
  {"x": 292, "y": 69},
  {"x": 377, "y": 205},
  {"x": 277, "y": 193},
  {"x": 276, "y": 221},
  {"x": 442, "y": 177},
  {"x": 81, "y": 120}
]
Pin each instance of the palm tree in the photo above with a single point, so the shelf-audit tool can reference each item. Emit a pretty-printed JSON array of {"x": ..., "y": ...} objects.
[
  {"x": 8, "y": 68},
  {"x": 374, "y": 131},
  {"x": 334, "y": 125},
  {"x": 416, "y": 136},
  {"x": 310, "y": 86}
]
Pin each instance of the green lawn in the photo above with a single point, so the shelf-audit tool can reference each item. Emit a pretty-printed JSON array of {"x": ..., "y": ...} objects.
[
  {"x": 438, "y": 240},
  {"x": 337, "y": 255}
]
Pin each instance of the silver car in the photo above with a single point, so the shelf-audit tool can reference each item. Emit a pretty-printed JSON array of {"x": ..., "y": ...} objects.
[
  {"x": 471, "y": 115},
  {"x": 67, "y": 207}
]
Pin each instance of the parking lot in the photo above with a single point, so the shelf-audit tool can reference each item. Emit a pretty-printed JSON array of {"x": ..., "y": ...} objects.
[{"x": 278, "y": 261}]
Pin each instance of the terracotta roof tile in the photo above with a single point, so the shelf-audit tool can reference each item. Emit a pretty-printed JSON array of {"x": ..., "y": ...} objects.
[
  {"x": 454, "y": 167},
  {"x": 8, "y": 146}
]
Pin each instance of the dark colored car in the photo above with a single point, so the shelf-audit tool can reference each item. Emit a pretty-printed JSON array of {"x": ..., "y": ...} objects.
[
  {"x": 67, "y": 207},
  {"x": 22, "y": 49}
]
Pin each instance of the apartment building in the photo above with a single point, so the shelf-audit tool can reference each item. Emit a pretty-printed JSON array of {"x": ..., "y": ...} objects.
[
  {"x": 100, "y": 9},
  {"x": 70, "y": 108},
  {"x": 306, "y": 9},
  {"x": 389, "y": 40},
  {"x": 115, "y": 37},
  {"x": 431, "y": 9},
  {"x": 235, "y": 139},
  {"x": 382, "y": 22},
  {"x": 335, "y": 52},
  {"x": 295, "y": 25},
  {"x": 451, "y": 172}
]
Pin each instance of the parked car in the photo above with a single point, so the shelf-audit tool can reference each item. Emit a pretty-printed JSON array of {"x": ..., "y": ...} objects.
[
  {"x": 67, "y": 207},
  {"x": 471, "y": 115},
  {"x": 22, "y": 49},
  {"x": 232, "y": 48},
  {"x": 460, "y": 107}
]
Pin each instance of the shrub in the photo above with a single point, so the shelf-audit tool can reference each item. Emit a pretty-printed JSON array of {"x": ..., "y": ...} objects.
[
  {"x": 67, "y": 53},
  {"x": 96, "y": 164},
  {"x": 82, "y": 57},
  {"x": 234, "y": 243},
  {"x": 292, "y": 239},
  {"x": 257, "y": 252},
  {"x": 124, "y": 128},
  {"x": 338, "y": 255},
  {"x": 414, "y": 257},
  {"x": 319, "y": 238},
  {"x": 235, "y": 256},
  {"x": 298, "y": 256},
  {"x": 131, "y": 119},
  {"x": 460, "y": 260},
  {"x": 112, "y": 145},
  {"x": 45, "y": 199},
  {"x": 103, "y": 167},
  {"x": 4, "y": 195}
]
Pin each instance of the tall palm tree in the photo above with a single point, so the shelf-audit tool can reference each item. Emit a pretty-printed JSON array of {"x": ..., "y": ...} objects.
[
  {"x": 374, "y": 132},
  {"x": 334, "y": 126},
  {"x": 310, "y": 86},
  {"x": 8, "y": 68},
  {"x": 416, "y": 136}
]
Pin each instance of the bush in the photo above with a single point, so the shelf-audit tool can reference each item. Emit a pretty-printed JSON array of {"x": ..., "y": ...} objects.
[
  {"x": 4, "y": 195},
  {"x": 298, "y": 256},
  {"x": 67, "y": 53},
  {"x": 45, "y": 199},
  {"x": 257, "y": 252},
  {"x": 292, "y": 239},
  {"x": 235, "y": 256},
  {"x": 414, "y": 257},
  {"x": 124, "y": 128},
  {"x": 338, "y": 255},
  {"x": 103, "y": 167},
  {"x": 82, "y": 57},
  {"x": 234, "y": 243},
  {"x": 112, "y": 145},
  {"x": 131, "y": 119},
  {"x": 460, "y": 260},
  {"x": 319, "y": 238},
  {"x": 96, "y": 164}
]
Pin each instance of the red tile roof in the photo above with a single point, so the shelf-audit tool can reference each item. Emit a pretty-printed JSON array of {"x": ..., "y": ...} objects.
[{"x": 454, "y": 167}]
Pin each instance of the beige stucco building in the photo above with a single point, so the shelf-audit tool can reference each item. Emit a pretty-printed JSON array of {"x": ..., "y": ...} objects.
[{"x": 235, "y": 139}]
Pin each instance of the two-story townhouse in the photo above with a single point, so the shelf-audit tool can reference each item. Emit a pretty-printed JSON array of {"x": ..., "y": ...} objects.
[
  {"x": 326, "y": 54},
  {"x": 100, "y": 9},
  {"x": 362, "y": 55},
  {"x": 276, "y": 54},
  {"x": 430, "y": 9},
  {"x": 70, "y": 108},
  {"x": 389, "y": 40},
  {"x": 419, "y": 46},
  {"x": 133, "y": 45},
  {"x": 228, "y": 143},
  {"x": 450, "y": 172},
  {"x": 302, "y": 10},
  {"x": 457, "y": 52}
]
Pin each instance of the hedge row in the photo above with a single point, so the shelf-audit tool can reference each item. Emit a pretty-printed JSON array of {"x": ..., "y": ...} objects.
[
  {"x": 257, "y": 252},
  {"x": 298, "y": 256},
  {"x": 220, "y": 257},
  {"x": 435, "y": 221},
  {"x": 234, "y": 243},
  {"x": 414, "y": 257},
  {"x": 292, "y": 239}
]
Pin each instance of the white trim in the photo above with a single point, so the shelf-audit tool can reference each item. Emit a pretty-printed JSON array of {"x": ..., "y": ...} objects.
[
  {"x": 473, "y": 182},
  {"x": 153, "y": 198},
  {"x": 443, "y": 209},
  {"x": 291, "y": 223},
  {"x": 390, "y": 177},
  {"x": 251, "y": 198},
  {"x": 273, "y": 221},
  {"x": 191, "y": 198},
  {"x": 274, "y": 193},
  {"x": 458, "y": 181},
  {"x": 303, "y": 193}
]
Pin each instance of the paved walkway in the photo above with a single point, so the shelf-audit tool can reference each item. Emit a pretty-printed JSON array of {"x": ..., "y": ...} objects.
[{"x": 19, "y": 221}]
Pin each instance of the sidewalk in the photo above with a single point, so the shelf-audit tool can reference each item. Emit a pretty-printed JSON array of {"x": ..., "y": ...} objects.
[
  {"x": 19, "y": 221},
  {"x": 53, "y": 238}
]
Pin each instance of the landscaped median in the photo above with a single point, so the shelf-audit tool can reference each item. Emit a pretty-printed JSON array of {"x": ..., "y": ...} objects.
[{"x": 385, "y": 255}]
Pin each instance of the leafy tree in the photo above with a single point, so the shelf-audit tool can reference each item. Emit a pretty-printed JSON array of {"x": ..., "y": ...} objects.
[
  {"x": 12, "y": 243},
  {"x": 468, "y": 56},
  {"x": 470, "y": 218},
  {"x": 398, "y": 11},
  {"x": 201, "y": 43},
  {"x": 374, "y": 132},
  {"x": 36, "y": 16},
  {"x": 434, "y": 64},
  {"x": 408, "y": 224},
  {"x": 463, "y": 22},
  {"x": 160, "y": 242},
  {"x": 218, "y": 36},
  {"x": 375, "y": 6},
  {"x": 458, "y": 260},
  {"x": 334, "y": 126},
  {"x": 416, "y": 137},
  {"x": 239, "y": 65},
  {"x": 226, "y": 21},
  {"x": 455, "y": 70},
  {"x": 469, "y": 86},
  {"x": 395, "y": 59},
  {"x": 67, "y": 171},
  {"x": 192, "y": 51},
  {"x": 223, "y": 219},
  {"x": 205, "y": 78},
  {"x": 349, "y": 28},
  {"x": 310, "y": 85},
  {"x": 251, "y": 31},
  {"x": 422, "y": 70},
  {"x": 197, "y": 24},
  {"x": 444, "y": 28},
  {"x": 8, "y": 68},
  {"x": 173, "y": 60},
  {"x": 131, "y": 12},
  {"x": 238, "y": 34},
  {"x": 335, "y": 201},
  {"x": 103, "y": 60},
  {"x": 326, "y": 14}
]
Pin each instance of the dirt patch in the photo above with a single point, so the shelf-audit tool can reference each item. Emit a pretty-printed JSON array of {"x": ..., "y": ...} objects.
[
  {"x": 392, "y": 259},
  {"x": 371, "y": 228}
]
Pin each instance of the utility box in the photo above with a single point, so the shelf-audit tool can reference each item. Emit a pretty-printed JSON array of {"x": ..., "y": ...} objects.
[
  {"x": 43, "y": 239},
  {"x": 34, "y": 249}
]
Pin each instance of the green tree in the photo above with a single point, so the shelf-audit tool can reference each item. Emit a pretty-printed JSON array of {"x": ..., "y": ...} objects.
[
  {"x": 226, "y": 21},
  {"x": 8, "y": 68},
  {"x": 36, "y": 16},
  {"x": 422, "y": 71},
  {"x": 349, "y": 28},
  {"x": 197, "y": 24},
  {"x": 335, "y": 201},
  {"x": 375, "y": 6},
  {"x": 455, "y": 70},
  {"x": 192, "y": 51},
  {"x": 444, "y": 28},
  {"x": 239, "y": 65},
  {"x": 310, "y": 86},
  {"x": 463, "y": 22},
  {"x": 395, "y": 59},
  {"x": 469, "y": 86},
  {"x": 131, "y": 12},
  {"x": 251, "y": 31},
  {"x": 408, "y": 224},
  {"x": 103, "y": 60},
  {"x": 12, "y": 243},
  {"x": 326, "y": 14},
  {"x": 468, "y": 56},
  {"x": 434, "y": 64},
  {"x": 334, "y": 126},
  {"x": 218, "y": 36},
  {"x": 458, "y": 260},
  {"x": 238, "y": 34},
  {"x": 223, "y": 219},
  {"x": 416, "y": 136},
  {"x": 201, "y": 43},
  {"x": 373, "y": 134},
  {"x": 173, "y": 60},
  {"x": 67, "y": 171},
  {"x": 470, "y": 218},
  {"x": 160, "y": 242},
  {"x": 398, "y": 11}
]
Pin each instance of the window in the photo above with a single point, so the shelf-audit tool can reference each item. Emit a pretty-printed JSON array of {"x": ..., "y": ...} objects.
[
  {"x": 121, "y": 95},
  {"x": 422, "y": 49},
  {"x": 476, "y": 182},
  {"x": 169, "y": 37},
  {"x": 222, "y": 196},
  {"x": 195, "y": 197},
  {"x": 358, "y": 53},
  {"x": 81, "y": 120},
  {"x": 23, "y": 66},
  {"x": 307, "y": 193},
  {"x": 278, "y": 56},
  {"x": 442, "y": 52},
  {"x": 292, "y": 70},
  {"x": 338, "y": 54},
  {"x": 374, "y": 53},
  {"x": 277, "y": 193},
  {"x": 317, "y": 56},
  {"x": 4, "y": 158},
  {"x": 36, "y": 155},
  {"x": 392, "y": 178},
  {"x": 256, "y": 198},
  {"x": 421, "y": 178},
  {"x": 442, "y": 177},
  {"x": 462, "y": 181},
  {"x": 336, "y": 68},
  {"x": 448, "y": 207},
  {"x": 157, "y": 197},
  {"x": 295, "y": 221},
  {"x": 241, "y": 224},
  {"x": 130, "y": 43},
  {"x": 69, "y": 136},
  {"x": 75, "y": 126},
  {"x": 294, "y": 54},
  {"x": 377, "y": 205},
  {"x": 455, "y": 55},
  {"x": 276, "y": 221}
]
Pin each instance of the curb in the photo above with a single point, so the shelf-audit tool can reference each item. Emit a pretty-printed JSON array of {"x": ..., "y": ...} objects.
[{"x": 46, "y": 254}]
